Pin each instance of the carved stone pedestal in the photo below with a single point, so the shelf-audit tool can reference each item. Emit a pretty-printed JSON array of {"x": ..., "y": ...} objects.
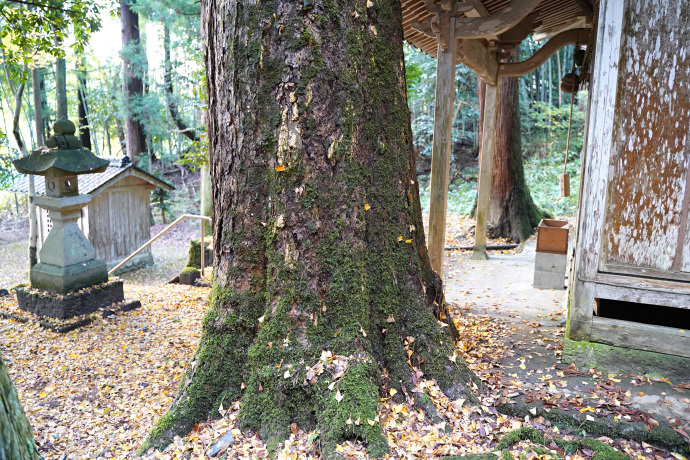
[{"x": 68, "y": 259}]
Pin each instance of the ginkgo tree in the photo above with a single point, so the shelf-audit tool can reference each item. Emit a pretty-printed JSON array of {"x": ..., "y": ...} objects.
[{"x": 323, "y": 299}]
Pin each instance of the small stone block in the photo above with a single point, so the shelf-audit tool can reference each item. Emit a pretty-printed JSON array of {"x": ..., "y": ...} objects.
[
  {"x": 549, "y": 280},
  {"x": 84, "y": 302},
  {"x": 189, "y": 276},
  {"x": 554, "y": 263}
]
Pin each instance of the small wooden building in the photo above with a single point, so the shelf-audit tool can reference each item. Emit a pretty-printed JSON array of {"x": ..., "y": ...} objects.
[
  {"x": 118, "y": 219},
  {"x": 630, "y": 286}
]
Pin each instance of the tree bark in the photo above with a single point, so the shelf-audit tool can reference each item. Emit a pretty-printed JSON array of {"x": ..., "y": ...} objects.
[
  {"x": 16, "y": 436},
  {"x": 512, "y": 212},
  {"x": 16, "y": 114},
  {"x": 168, "y": 84},
  {"x": 82, "y": 108},
  {"x": 37, "y": 83},
  {"x": 61, "y": 88},
  {"x": 319, "y": 249},
  {"x": 560, "y": 77},
  {"x": 132, "y": 81}
]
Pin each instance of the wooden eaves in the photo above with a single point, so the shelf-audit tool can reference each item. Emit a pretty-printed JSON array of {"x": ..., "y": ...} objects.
[{"x": 479, "y": 34}]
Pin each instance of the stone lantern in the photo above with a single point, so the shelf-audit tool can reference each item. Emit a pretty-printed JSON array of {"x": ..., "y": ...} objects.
[{"x": 67, "y": 260}]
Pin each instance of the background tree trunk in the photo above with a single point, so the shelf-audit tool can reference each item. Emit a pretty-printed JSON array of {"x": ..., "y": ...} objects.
[
  {"x": 37, "y": 83},
  {"x": 132, "y": 81},
  {"x": 319, "y": 247},
  {"x": 16, "y": 437},
  {"x": 61, "y": 88},
  {"x": 512, "y": 212},
  {"x": 83, "y": 109},
  {"x": 168, "y": 83}
]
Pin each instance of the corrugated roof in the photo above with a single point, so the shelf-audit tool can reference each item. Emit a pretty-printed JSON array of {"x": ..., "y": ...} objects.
[
  {"x": 90, "y": 183},
  {"x": 549, "y": 14}
]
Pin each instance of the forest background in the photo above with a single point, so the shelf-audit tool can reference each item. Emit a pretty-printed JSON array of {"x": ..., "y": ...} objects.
[{"x": 170, "y": 106}]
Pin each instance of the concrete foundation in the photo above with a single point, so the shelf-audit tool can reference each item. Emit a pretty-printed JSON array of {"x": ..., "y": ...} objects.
[{"x": 549, "y": 270}]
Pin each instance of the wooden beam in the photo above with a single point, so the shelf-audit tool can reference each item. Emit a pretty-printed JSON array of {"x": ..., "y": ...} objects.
[
  {"x": 478, "y": 10},
  {"x": 497, "y": 23},
  {"x": 569, "y": 37},
  {"x": 475, "y": 55},
  {"x": 640, "y": 336},
  {"x": 440, "y": 153},
  {"x": 491, "y": 108},
  {"x": 579, "y": 22}
]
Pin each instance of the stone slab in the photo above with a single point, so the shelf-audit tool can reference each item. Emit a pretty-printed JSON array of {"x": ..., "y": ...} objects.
[
  {"x": 549, "y": 270},
  {"x": 70, "y": 305},
  {"x": 547, "y": 262},
  {"x": 63, "y": 280},
  {"x": 548, "y": 280}
]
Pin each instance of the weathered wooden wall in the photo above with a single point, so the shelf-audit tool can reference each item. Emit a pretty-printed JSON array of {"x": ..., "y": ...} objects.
[
  {"x": 646, "y": 221},
  {"x": 633, "y": 241},
  {"x": 119, "y": 219}
]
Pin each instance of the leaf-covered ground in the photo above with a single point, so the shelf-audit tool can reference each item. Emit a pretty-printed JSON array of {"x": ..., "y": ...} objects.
[{"x": 97, "y": 391}]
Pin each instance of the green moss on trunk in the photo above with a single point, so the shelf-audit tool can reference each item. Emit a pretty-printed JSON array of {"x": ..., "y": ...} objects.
[{"x": 16, "y": 437}]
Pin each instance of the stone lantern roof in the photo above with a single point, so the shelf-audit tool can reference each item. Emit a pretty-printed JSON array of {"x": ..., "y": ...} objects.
[{"x": 64, "y": 156}]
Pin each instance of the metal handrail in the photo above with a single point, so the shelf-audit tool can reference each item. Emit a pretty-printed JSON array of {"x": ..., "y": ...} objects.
[{"x": 204, "y": 219}]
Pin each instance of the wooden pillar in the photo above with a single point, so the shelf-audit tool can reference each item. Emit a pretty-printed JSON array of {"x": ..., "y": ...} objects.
[
  {"x": 440, "y": 154},
  {"x": 489, "y": 127}
]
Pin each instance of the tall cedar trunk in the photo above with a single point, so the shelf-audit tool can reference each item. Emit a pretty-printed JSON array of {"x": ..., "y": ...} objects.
[
  {"x": 168, "y": 83},
  {"x": 132, "y": 81},
  {"x": 512, "y": 212},
  {"x": 318, "y": 238},
  {"x": 38, "y": 86},
  {"x": 83, "y": 110},
  {"x": 16, "y": 437},
  {"x": 61, "y": 88}
]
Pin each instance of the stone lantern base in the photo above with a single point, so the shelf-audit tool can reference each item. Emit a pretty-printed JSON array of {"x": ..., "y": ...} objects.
[
  {"x": 67, "y": 259},
  {"x": 61, "y": 307},
  {"x": 69, "y": 281},
  {"x": 62, "y": 280}
]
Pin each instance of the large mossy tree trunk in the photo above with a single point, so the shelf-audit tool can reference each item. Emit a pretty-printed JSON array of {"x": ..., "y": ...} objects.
[
  {"x": 512, "y": 212},
  {"x": 16, "y": 437},
  {"x": 320, "y": 256}
]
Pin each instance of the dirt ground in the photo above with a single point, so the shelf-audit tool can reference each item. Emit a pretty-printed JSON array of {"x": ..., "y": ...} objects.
[{"x": 169, "y": 254}]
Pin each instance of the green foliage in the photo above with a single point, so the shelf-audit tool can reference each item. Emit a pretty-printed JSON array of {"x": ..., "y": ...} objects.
[
  {"x": 549, "y": 127},
  {"x": 420, "y": 73},
  {"x": 29, "y": 30},
  {"x": 160, "y": 199},
  {"x": 7, "y": 154}
]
